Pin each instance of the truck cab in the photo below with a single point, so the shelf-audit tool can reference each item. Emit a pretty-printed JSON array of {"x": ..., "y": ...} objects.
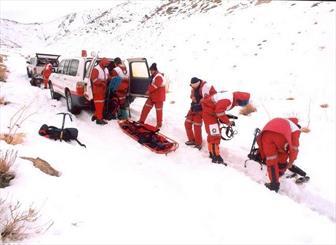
[{"x": 72, "y": 81}]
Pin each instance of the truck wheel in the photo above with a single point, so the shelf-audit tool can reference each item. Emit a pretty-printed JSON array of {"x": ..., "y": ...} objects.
[
  {"x": 33, "y": 81},
  {"x": 28, "y": 73},
  {"x": 53, "y": 94},
  {"x": 71, "y": 107}
]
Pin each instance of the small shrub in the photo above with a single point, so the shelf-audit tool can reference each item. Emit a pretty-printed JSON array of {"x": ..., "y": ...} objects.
[
  {"x": 3, "y": 101},
  {"x": 305, "y": 130},
  {"x": 17, "y": 224},
  {"x": 13, "y": 139},
  {"x": 7, "y": 159},
  {"x": 247, "y": 110}
]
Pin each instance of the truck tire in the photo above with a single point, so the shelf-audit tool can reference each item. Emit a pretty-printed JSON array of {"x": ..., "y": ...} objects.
[
  {"x": 70, "y": 105},
  {"x": 33, "y": 81},
  {"x": 28, "y": 73},
  {"x": 53, "y": 94}
]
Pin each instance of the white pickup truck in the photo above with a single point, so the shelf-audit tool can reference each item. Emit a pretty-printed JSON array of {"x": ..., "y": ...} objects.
[
  {"x": 71, "y": 80},
  {"x": 36, "y": 64}
]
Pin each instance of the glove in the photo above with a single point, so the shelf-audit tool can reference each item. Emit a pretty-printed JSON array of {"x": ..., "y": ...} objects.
[{"x": 232, "y": 123}]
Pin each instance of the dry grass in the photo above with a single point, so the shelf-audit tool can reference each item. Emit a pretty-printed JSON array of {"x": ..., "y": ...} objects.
[
  {"x": 290, "y": 98},
  {"x": 7, "y": 160},
  {"x": 247, "y": 110},
  {"x": 43, "y": 165},
  {"x": 3, "y": 72},
  {"x": 3, "y": 101},
  {"x": 15, "y": 122},
  {"x": 305, "y": 130},
  {"x": 18, "y": 225},
  {"x": 13, "y": 139}
]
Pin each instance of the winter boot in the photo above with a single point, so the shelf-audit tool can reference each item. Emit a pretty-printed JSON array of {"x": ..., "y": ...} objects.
[
  {"x": 190, "y": 142},
  {"x": 218, "y": 159},
  {"x": 123, "y": 114},
  {"x": 273, "y": 186},
  {"x": 93, "y": 118},
  {"x": 198, "y": 147},
  {"x": 101, "y": 122}
]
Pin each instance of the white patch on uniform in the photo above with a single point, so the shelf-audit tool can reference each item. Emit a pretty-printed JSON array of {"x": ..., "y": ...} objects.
[
  {"x": 214, "y": 129},
  {"x": 205, "y": 90},
  {"x": 222, "y": 96},
  {"x": 293, "y": 126}
]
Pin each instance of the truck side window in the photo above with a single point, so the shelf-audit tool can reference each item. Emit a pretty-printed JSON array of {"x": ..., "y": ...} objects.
[
  {"x": 61, "y": 67},
  {"x": 86, "y": 68},
  {"x": 139, "y": 69},
  {"x": 73, "y": 67},
  {"x": 66, "y": 65}
]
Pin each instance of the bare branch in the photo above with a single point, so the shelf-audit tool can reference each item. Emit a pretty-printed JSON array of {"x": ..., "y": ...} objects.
[{"x": 19, "y": 224}]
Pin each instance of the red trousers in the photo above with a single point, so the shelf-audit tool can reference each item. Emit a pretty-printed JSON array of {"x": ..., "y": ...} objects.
[
  {"x": 193, "y": 126},
  {"x": 273, "y": 146},
  {"x": 45, "y": 81},
  {"x": 212, "y": 128},
  {"x": 99, "y": 99},
  {"x": 147, "y": 108},
  {"x": 213, "y": 131}
]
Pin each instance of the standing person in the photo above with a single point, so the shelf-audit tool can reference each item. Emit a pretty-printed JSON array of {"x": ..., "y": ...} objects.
[
  {"x": 193, "y": 123},
  {"x": 119, "y": 70},
  {"x": 47, "y": 70},
  {"x": 214, "y": 110},
  {"x": 157, "y": 95},
  {"x": 120, "y": 84},
  {"x": 279, "y": 142},
  {"x": 99, "y": 77}
]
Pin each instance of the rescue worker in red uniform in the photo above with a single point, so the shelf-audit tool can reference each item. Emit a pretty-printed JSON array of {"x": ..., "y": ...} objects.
[
  {"x": 279, "y": 142},
  {"x": 99, "y": 77},
  {"x": 214, "y": 108},
  {"x": 193, "y": 123},
  {"x": 119, "y": 75},
  {"x": 47, "y": 70},
  {"x": 157, "y": 95}
]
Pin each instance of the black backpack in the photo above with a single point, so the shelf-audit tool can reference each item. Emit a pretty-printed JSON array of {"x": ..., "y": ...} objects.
[{"x": 66, "y": 134}]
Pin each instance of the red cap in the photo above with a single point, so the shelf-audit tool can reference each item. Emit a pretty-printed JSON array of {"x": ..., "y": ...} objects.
[
  {"x": 104, "y": 62},
  {"x": 241, "y": 98}
]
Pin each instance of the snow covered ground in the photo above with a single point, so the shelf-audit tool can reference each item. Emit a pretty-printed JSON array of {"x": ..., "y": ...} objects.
[{"x": 116, "y": 191}]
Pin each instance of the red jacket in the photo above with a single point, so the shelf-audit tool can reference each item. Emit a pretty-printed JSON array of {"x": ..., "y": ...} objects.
[
  {"x": 122, "y": 90},
  {"x": 120, "y": 71},
  {"x": 99, "y": 76},
  {"x": 287, "y": 128},
  {"x": 219, "y": 103},
  {"x": 157, "y": 90},
  {"x": 47, "y": 70}
]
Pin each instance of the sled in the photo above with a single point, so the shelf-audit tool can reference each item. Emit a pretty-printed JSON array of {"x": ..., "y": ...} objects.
[{"x": 148, "y": 136}]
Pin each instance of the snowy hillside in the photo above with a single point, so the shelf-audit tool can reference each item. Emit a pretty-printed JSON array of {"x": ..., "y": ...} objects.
[{"x": 117, "y": 192}]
